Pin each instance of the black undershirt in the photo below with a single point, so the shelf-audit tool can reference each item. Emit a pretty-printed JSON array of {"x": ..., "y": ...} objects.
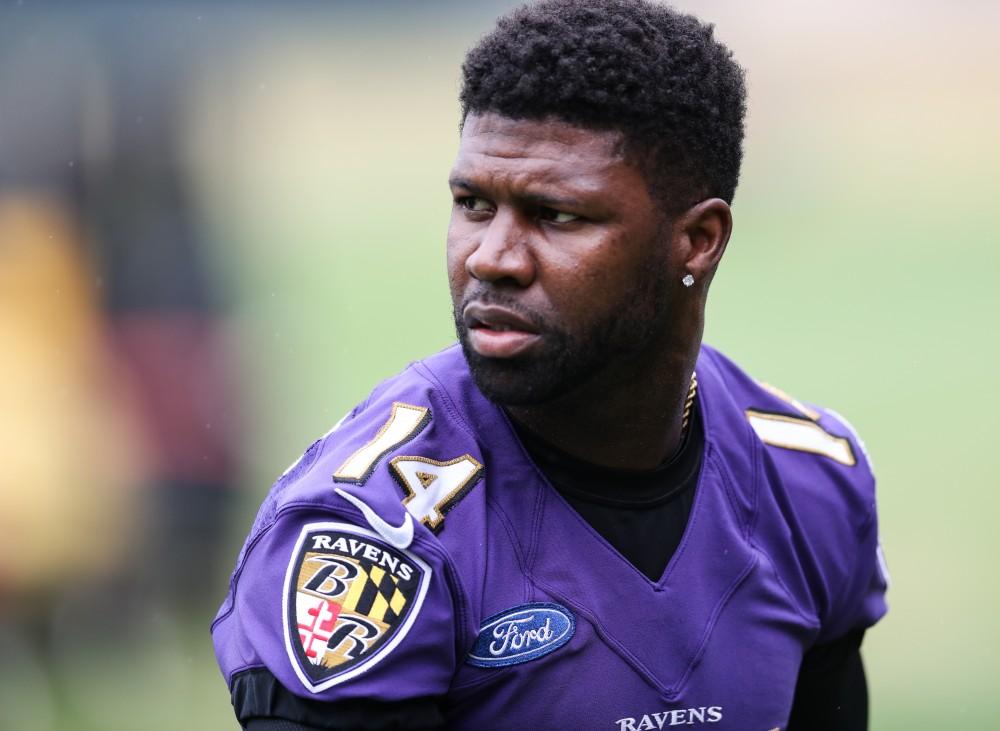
[{"x": 643, "y": 516}]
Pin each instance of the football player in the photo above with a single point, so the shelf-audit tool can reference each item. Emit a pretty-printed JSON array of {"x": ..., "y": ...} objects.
[{"x": 579, "y": 517}]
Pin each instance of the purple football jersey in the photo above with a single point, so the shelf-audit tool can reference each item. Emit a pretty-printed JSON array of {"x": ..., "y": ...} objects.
[{"x": 416, "y": 551}]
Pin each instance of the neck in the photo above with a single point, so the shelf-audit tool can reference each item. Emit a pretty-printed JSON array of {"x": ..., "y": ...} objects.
[{"x": 630, "y": 416}]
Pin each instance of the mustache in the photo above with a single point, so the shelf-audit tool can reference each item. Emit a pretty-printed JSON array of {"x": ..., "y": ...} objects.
[{"x": 485, "y": 295}]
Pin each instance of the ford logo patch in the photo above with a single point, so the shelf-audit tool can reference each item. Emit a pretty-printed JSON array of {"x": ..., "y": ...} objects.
[{"x": 520, "y": 634}]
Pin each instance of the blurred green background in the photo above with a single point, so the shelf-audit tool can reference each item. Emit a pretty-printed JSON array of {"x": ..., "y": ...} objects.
[{"x": 312, "y": 142}]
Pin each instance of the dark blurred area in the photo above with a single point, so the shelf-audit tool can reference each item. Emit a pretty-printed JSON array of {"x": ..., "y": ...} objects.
[{"x": 118, "y": 396}]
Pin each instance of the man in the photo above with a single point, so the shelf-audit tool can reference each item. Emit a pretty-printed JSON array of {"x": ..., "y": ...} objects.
[{"x": 581, "y": 518}]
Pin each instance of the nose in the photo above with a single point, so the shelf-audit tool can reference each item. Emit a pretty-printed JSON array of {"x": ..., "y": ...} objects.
[{"x": 504, "y": 253}]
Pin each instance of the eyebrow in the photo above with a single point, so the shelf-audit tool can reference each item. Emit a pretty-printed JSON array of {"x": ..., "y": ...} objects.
[{"x": 536, "y": 199}]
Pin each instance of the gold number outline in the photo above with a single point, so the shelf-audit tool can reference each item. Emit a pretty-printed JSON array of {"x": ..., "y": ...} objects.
[
  {"x": 849, "y": 459},
  {"x": 355, "y": 476},
  {"x": 451, "y": 499}
]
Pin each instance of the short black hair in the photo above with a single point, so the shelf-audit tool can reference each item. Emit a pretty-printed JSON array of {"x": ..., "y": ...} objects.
[{"x": 656, "y": 75}]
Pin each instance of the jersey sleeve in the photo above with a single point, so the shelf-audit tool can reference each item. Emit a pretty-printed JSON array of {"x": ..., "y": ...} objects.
[
  {"x": 834, "y": 496},
  {"x": 345, "y": 591},
  {"x": 860, "y": 601},
  {"x": 825, "y": 486},
  {"x": 338, "y": 595}
]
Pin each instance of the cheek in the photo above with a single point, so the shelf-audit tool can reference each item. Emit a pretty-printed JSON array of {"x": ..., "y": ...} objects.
[
  {"x": 585, "y": 275},
  {"x": 457, "y": 250},
  {"x": 602, "y": 282}
]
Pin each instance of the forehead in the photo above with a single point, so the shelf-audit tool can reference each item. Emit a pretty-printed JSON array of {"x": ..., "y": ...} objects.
[{"x": 498, "y": 150}]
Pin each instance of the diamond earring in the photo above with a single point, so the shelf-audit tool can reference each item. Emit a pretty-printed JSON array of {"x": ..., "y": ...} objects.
[{"x": 687, "y": 280}]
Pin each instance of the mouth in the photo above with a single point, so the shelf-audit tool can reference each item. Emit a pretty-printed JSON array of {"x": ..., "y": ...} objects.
[{"x": 498, "y": 332}]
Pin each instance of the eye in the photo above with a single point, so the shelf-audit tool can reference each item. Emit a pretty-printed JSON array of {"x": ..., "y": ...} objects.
[
  {"x": 474, "y": 203},
  {"x": 551, "y": 214}
]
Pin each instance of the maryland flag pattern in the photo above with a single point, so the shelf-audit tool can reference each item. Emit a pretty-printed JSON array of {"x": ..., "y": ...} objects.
[{"x": 350, "y": 598}]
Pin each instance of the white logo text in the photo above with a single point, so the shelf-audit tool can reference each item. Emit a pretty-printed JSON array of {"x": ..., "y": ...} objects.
[
  {"x": 677, "y": 717},
  {"x": 508, "y": 634}
]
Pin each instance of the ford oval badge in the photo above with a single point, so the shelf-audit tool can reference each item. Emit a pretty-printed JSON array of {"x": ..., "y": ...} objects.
[{"x": 521, "y": 634}]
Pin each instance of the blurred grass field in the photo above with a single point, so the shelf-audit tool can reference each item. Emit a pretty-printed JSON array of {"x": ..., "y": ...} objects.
[{"x": 861, "y": 275}]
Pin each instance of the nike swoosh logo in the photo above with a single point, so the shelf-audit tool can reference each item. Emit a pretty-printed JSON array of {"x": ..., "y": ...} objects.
[{"x": 400, "y": 536}]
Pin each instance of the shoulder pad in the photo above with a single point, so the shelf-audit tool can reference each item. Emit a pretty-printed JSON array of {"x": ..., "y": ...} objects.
[
  {"x": 342, "y": 561},
  {"x": 820, "y": 486}
]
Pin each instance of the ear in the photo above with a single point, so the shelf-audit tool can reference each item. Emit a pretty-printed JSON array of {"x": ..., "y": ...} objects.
[{"x": 704, "y": 231}]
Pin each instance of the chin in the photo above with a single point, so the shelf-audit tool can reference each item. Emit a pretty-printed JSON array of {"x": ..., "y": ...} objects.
[{"x": 522, "y": 381}]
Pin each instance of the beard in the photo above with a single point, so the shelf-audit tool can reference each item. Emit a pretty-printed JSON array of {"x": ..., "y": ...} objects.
[{"x": 565, "y": 360}]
